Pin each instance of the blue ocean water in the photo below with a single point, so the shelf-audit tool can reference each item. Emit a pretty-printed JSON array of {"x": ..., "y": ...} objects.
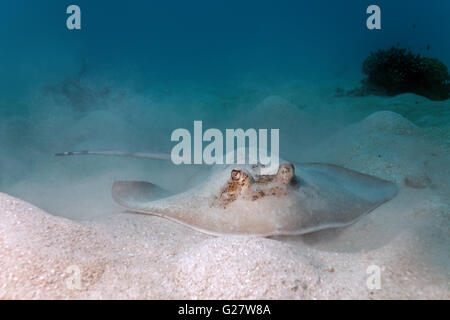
[
  {"x": 205, "y": 41},
  {"x": 139, "y": 69}
]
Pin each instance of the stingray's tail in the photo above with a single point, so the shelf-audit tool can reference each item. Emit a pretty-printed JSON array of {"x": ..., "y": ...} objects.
[{"x": 147, "y": 155}]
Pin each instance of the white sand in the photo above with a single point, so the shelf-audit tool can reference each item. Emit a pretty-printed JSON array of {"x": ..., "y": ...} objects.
[
  {"x": 134, "y": 256},
  {"x": 126, "y": 256}
]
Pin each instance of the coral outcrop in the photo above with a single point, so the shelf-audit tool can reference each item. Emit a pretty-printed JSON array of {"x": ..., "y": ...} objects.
[{"x": 396, "y": 71}]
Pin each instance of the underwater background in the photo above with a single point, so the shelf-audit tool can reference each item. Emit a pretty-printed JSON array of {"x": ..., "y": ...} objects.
[{"x": 137, "y": 70}]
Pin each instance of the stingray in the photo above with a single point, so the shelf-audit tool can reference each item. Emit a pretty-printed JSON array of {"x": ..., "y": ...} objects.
[{"x": 237, "y": 199}]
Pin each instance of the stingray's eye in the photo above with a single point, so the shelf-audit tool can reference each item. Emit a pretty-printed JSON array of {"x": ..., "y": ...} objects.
[
  {"x": 236, "y": 175},
  {"x": 285, "y": 169},
  {"x": 286, "y": 173}
]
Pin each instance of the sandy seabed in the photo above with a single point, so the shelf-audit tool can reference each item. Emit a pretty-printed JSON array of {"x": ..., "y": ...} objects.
[{"x": 127, "y": 256}]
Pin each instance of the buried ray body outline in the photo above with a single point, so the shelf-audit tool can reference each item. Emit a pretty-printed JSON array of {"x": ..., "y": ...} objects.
[{"x": 237, "y": 199}]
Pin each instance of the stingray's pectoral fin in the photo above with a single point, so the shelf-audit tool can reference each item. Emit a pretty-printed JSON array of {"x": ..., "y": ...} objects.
[
  {"x": 336, "y": 196},
  {"x": 128, "y": 193}
]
